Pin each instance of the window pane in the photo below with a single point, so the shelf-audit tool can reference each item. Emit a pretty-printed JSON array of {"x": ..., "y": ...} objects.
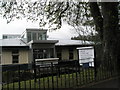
[
  {"x": 29, "y": 36},
  {"x": 44, "y": 36},
  {"x": 39, "y": 36},
  {"x": 34, "y": 36}
]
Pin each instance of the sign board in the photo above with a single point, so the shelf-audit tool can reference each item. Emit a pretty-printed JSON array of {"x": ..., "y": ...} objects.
[
  {"x": 86, "y": 52},
  {"x": 86, "y": 55}
]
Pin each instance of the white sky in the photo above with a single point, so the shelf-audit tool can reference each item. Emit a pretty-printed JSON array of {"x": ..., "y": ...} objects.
[{"x": 19, "y": 26}]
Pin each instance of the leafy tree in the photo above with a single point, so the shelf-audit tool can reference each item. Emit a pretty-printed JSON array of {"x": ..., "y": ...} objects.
[{"x": 102, "y": 15}]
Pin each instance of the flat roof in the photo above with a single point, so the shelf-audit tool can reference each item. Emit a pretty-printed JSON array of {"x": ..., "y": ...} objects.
[
  {"x": 12, "y": 42},
  {"x": 36, "y": 29},
  {"x": 73, "y": 42},
  {"x": 44, "y": 41}
]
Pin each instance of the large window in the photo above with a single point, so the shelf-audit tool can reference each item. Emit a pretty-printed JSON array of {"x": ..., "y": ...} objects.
[
  {"x": 43, "y": 53},
  {"x": 71, "y": 54},
  {"x": 36, "y": 36},
  {"x": 15, "y": 56}
]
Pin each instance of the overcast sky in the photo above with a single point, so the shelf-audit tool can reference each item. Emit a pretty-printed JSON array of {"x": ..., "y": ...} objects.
[{"x": 19, "y": 26}]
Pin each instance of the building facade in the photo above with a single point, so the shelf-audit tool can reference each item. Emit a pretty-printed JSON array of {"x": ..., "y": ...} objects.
[
  {"x": 32, "y": 44},
  {"x": 67, "y": 49}
]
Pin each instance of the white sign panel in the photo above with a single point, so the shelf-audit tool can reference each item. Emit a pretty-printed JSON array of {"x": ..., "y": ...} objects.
[{"x": 86, "y": 53}]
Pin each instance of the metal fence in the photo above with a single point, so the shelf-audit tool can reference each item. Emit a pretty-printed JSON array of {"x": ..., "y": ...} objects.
[{"x": 62, "y": 75}]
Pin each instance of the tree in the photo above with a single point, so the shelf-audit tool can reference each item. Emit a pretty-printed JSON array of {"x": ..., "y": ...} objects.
[
  {"x": 102, "y": 15},
  {"x": 106, "y": 22}
]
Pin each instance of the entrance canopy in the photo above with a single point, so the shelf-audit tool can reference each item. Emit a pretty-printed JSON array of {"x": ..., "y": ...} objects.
[{"x": 43, "y": 48}]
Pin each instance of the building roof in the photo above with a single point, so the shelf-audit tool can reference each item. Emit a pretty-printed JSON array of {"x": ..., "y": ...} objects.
[
  {"x": 19, "y": 42},
  {"x": 12, "y": 42},
  {"x": 35, "y": 29},
  {"x": 44, "y": 41},
  {"x": 72, "y": 42}
]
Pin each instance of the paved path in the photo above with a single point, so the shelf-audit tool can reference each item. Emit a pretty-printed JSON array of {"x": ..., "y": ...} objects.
[{"x": 110, "y": 83}]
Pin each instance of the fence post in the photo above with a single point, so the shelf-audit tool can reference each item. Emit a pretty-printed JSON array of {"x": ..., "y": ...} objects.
[{"x": 34, "y": 66}]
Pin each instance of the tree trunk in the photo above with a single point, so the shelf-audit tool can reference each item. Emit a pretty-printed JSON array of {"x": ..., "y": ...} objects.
[
  {"x": 107, "y": 24},
  {"x": 98, "y": 20},
  {"x": 110, "y": 32}
]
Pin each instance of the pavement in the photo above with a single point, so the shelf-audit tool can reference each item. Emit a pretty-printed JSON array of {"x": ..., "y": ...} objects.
[{"x": 109, "y": 83}]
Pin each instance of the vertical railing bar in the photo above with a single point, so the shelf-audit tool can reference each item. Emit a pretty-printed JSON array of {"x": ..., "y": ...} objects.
[
  {"x": 56, "y": 76},
  {"x": 89, "y": 72},
  {"x": 79, "y": 67},
  {"x": 52, "y": 75},
  {"x": 30, "y": 81},
  {"x": 83, "y": 76},
  {"x": 103, "y": 69},
  {"x": 61, "y": 75},
  {"x": 65, "y": 75},
  {"x": 73, "y": 76},
  {"x": 76, "y": 66},
  {"x": 35, "y": 76},
  {"x": 7, "y": 80},
  {"x": 69, "y": 76},
  {"x": 13, "y": 80},
  {"x": 101, "y": 72},
  {"x": 19, "y": 77},
  {"x": 39, "y": 77},
  {"x": 109, "y": 69},
  {"x": 25, "y": 79},
  {"x": 48, "y": 76},
  {"x": 43, "y": 77},
  {"x": 85, "y": 72}
]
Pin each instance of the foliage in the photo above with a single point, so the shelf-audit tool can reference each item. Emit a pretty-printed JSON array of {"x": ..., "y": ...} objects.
[
  {"x": 48, "y": 12},
  {"x": 18, "y": 9}
]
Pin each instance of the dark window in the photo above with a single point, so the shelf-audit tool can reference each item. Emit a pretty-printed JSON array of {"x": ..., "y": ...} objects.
[
  {"x": 4, "y": 37},
  {"x": 15, "y": 56},
  {"x": 59, "y": 54},
  {"x": 70, "y": 53},
  {"x": 41, "y": 53}
]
